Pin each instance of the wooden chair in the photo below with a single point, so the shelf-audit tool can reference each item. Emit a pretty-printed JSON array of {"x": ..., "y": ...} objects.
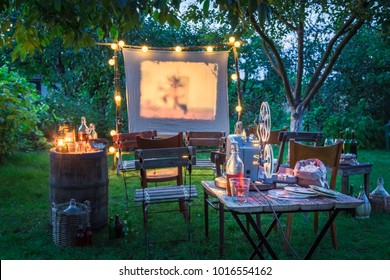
[
  {"x": 125, "y": 144},
  {"x": 330, "y": 156},
  {"x": 205, "y": 143},
  {"x": 301, "y": 136},
  {"x": 163, "y": 158}
]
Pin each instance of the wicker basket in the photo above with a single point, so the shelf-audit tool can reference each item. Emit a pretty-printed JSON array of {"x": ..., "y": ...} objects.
[
  {"x": 65, "y": 225},
  {"x": 380, "y": 203}
]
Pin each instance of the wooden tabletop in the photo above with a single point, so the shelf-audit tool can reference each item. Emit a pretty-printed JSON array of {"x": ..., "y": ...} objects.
[{"x": 261, "y": 202}]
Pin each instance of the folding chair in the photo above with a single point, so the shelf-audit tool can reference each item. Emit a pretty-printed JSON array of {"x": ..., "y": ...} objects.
[
  {"x": 205, "y": 142},
  {"x": 162, "y": 158},
  {"x": 125, "y": 144}
]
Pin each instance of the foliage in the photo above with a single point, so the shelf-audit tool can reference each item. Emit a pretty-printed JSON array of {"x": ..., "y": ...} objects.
[
  {"x": 20, "y": 114},
  {"x": 32, "y": 25}
]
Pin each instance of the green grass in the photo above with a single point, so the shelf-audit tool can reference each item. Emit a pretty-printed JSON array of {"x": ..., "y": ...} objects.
[{"x": 25, "y": 233}]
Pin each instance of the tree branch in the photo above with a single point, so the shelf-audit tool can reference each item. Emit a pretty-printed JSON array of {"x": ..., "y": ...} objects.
[
  {"x": 280, "y": 65},
  {"x": 300, "y": 31},
  {"x": 310, "y": 92},
  {"x": 328, "y": 52}
]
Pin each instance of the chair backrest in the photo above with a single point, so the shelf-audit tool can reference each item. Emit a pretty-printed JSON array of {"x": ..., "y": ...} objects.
[
  {"x": 169, "y": 142},
  {"x": 129, "y": 141},
  {"x": 274, "y": 136},
  {"x": 304, "y": 136},
  {"x": 205, "y": 140},
  {"x": 163, "y": 144},
  {"x": 219, "y": 159},
  {"x": 329, "y": 155}
]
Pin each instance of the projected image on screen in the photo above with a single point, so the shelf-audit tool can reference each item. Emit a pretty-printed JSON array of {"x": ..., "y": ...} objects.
[{"x": 178, "y": 90}]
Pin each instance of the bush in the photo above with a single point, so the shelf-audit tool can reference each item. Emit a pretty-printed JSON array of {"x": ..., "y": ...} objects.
[{"x": 19, "y": 115}]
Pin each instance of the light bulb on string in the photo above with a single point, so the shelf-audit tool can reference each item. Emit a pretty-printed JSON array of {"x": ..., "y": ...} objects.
[
  {"x": 234, "y": 77},
  {"x": 111, "y": 150},
  {"x": 210, "y": 48},
  {"x": 178, "y": 49},
  {"x": 238, "y": 108},
  {"x": 114, "y": 46},
  {"x": 113, "y": 132},
  {"x": 237, "y": 44},
  {"x": 145, "y": 48},
  {"x": 118, "y": 98},
  {"x": 232, "y": 39},
  {"x": 121, "y": 43},
  {"x": 111, "y": 62}
]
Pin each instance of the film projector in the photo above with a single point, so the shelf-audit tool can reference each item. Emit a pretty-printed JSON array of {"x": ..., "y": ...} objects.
[{"x": 256, "y": 154}]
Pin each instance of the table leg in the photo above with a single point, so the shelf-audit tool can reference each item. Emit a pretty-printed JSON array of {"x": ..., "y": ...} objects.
[
  {"x": 367, "y": 183},
  {"x": 325, "y": 228},
  {"x": 259, "y": 234},
  {"x": 206, "y": 215},
  {"x": 221, "y": 229},
  {"x": 344, "y": 184}
]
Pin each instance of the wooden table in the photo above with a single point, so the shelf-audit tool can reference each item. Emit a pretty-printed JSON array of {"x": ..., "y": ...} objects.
[
  {"x": 261, "y": 203},
  {"x": 345, "y": 171}
]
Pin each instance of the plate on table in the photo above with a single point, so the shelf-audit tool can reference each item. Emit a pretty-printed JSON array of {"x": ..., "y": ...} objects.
[
  {"x": 324, "y": 192},
  {"x": 300, "y": 190},
  {"x": 280, "y": 193}
]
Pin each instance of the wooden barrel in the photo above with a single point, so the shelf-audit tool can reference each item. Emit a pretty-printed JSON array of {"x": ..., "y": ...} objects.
[{"x": 82, "y": 177}]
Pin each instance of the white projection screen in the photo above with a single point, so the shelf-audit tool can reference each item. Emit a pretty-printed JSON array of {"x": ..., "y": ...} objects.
[{"x": 175, "y": 92}]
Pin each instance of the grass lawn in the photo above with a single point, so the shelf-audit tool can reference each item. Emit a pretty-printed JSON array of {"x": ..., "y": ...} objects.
[{"x": 25, "y": 233}]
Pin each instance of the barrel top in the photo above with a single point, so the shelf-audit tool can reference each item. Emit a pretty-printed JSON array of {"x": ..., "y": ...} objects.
[{"x": 95, "y": 154}]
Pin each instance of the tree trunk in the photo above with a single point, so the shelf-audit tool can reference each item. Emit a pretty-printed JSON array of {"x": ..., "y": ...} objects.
[{"x": 296, "y": 120}]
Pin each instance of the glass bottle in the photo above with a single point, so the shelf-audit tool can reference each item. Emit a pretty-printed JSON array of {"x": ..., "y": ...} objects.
[
  {"x": 125, "y": 229},
  {"x": 234, "y": 167},
  {"x": 88, "y": 235},
  {"x": 342, "y": 140},
  {"x": 118, "y": 227},
  {"x": 83, "y": 132},
  {"x": 353, "y": 145},
  {"x": 72, "y": 208},
  {"x": 347, "y": 142},
  {"x": 111, "y": 229},
  {"x": 80, "y": 237},
  {"x": 363, "y": 211}
]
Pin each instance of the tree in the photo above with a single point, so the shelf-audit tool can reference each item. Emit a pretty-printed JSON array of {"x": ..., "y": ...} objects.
[{"x": 288, "y": 27}]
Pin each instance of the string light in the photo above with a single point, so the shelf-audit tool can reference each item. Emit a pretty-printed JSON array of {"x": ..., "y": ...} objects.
[
  {"x": 111, "y": 150},
  {"x": 210, "y": 48},
  {"x": 237, "y": 44},
  {"x": 178, "y": 49},
  {"x": 238, "y": 108},
  {"x": 114, "y": 46},
  {"x": 121, "y": 43},
  {"x": 111, "y": 62},
  {"x": 234, "y": 77},
  {"x": 232, "y": 39},
  {"x": 145, "y": 48},
  {"x": 113, "y": 133},
  {"x": 118, "y": 98}
]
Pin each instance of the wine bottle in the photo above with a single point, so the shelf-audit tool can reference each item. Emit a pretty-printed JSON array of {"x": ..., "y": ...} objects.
[
  {"x": 234, "y": 167},
  {"x": 347, "y": 142},
  {"x": 353, "y": 146}
]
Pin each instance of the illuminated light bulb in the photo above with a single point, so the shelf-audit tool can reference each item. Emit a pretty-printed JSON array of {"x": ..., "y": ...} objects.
[
  {"x": 145, "y": 48},
  {"x": 118, "y": 98},
  {"x": 237, "y": 44},
  {"x": 210, "y": 48},
  {"x": 121, "y": 43},
  {"x": 113, "y": 132},
  {"x": 232, "y": 39},
  {"x": 238, "y": 108},
  {"x": 178, "y": 49},
  {"x": 117, "y": 154},
  {"x": 111, "y": 62},
  {"x": 234, "y": 77},
  {"x": 111, "y": 150},
  {"x": 114, "y": 46}
]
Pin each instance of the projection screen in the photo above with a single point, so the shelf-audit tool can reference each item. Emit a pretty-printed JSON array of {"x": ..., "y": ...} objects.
[{"x": 176, "y": 91}]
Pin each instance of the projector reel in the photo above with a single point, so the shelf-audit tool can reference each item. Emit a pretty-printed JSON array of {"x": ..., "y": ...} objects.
[
  {"x": 264, "y": 127},
  {"x": 268, "y": 161}
]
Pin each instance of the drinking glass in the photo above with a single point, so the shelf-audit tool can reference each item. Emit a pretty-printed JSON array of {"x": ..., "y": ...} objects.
[{"x": 329, "y": 142}]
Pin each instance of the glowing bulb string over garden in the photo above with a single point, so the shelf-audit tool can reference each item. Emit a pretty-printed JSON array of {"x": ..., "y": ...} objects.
[{"x": 118, "y": 46}]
